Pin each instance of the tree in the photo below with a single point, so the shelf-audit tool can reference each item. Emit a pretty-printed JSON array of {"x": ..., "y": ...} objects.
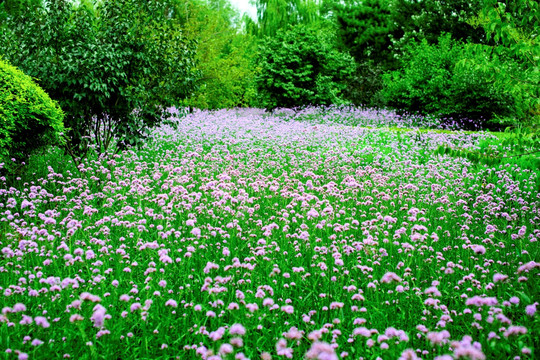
[
  {"x": 429, "y": 19},
  {"x": 365, "y": 28},
  {"x": 301, "y": 66},
  {"x": 431, "y": 81},
  {"x": 224, "y": 56},
  {"x": 275, "y": 15},
  {"x": 513, "y": 61},
  {"x": 376, "y": 30},
  {"x": 376, "y": 33},
  {"x": 113, "y": 66}
]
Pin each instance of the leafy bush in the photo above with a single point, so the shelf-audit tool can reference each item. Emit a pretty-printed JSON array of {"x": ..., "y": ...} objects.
[
  {"x": 30, "y": 120},
  {"x": 113, "y": 66},
  {"x": 431, "y": 81},
  {"x": 301, "y": 66}
]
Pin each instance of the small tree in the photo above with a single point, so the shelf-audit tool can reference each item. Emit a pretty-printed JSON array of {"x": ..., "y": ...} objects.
[
  {"x": 513, "y": 63},
  {"x": 224, "y": 56},
  {"x": 113, "y": 65},
  {"x": 301, "y": 66}
]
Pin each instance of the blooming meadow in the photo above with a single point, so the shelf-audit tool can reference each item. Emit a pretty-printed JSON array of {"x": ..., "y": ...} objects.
[{"x": 241, "y": 234}]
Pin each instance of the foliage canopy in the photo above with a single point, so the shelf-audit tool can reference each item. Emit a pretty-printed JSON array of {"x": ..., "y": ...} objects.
[
  {"x": 431, "y": 81},
  {"x": 113, "y": 66},
  {"x": 301, "y": 66}
]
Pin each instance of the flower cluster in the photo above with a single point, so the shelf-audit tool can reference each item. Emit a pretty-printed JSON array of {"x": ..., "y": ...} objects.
[{"x": 245, "y": 235}]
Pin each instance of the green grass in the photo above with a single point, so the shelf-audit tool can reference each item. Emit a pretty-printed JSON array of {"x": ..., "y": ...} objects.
[{"x": 387, "y": 201}]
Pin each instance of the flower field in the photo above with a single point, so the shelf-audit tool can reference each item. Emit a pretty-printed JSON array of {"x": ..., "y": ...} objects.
[{"x": 240, "y": 234}]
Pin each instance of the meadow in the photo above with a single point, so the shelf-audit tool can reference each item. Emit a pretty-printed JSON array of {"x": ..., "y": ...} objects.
[{"x": 319, "y": 234}]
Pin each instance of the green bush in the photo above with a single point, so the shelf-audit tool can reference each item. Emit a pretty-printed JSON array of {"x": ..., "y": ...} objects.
[
  {"x": 29, "y": 119},
  {"x": 431, "y": 81},
  {"x": 301, "y": 66}
]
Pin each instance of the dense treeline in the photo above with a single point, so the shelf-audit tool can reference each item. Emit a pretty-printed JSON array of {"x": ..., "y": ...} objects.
[
  {"x": 114, "y": 67},
  {"x": 455, "y": 59}
]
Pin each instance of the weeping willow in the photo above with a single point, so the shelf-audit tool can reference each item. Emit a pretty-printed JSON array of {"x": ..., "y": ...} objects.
[{"x": 273, "y": 15}]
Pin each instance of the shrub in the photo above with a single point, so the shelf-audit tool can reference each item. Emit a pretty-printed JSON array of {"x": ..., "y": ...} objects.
[
  {"x": 301, "y": 66},
  {"x": 29, "y": 119},
  {"x": 431, "y": 81}
]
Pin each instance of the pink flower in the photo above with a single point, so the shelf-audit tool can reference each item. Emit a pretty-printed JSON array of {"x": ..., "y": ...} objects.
[
  {"x": 252, "y": 307},
  {"x": 98, "y": 317},
  {"x": 283, "y": 350},
  {"x": 408, "y": 354},
  {"x": 438, "y": 338},
  {"x": 515, "y": 330},
  {"x": 514, "y": 300},
  {"x": 528, "y": 266},
  {"x": 225, "y": 349},
  {"x": 362, "y": 331},
  {"x": 36, "y": 342},
  {"x": 218, "y": 334},
  {"x": 90, "y": 297},
  {"x": 531, "y": 309},
  {"x": 196, "y": 232},
  {"x": 444, "y": 357},
  {"x": 236, "y": 341},
  {"x": 26, "y": 320},
  {"x": 464, "y": 349},
  {"x": 19, "y": 307},
  {"x": 389, "y": 277},
  {"x": 287, "y": 309},
  {"x": 75, "y": 317},
  {"x": 321, "y": 351},
  {"x": 336, "y": 305},
  {"x": 237, "y": 329},
  {"x": 171, "y": 303},
  {"x": 481, "y": 301},
  {"x": 41, "y": 321},
  {"x": 479, "y": 249},
  {"x": 293, "y": 334}
]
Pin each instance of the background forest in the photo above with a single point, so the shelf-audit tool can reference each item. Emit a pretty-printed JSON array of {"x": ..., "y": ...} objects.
[{"x": 462, "y": 61}]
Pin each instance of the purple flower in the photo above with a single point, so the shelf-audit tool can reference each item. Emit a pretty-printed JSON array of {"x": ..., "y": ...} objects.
[
  {"x": 41, "y": 321},
  {"x": 237, "y": 329}
]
